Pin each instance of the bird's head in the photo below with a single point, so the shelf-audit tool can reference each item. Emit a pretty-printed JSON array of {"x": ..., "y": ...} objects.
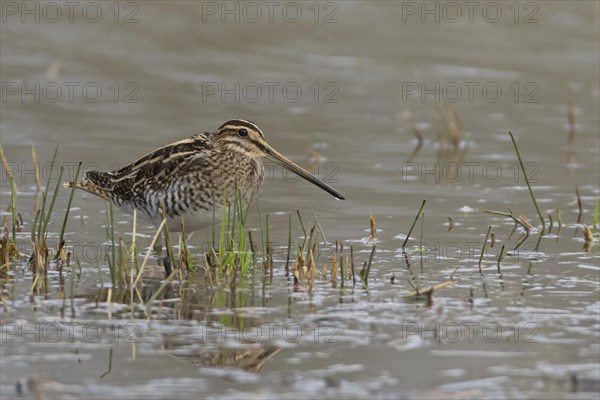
[{"x": 246, "y": 137}]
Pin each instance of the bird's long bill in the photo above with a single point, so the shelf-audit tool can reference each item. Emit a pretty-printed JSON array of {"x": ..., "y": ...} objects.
[{"x": 282, "y": 160}]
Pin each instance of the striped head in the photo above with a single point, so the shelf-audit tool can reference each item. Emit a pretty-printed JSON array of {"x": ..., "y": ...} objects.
[{"x": 243, "y": 136}]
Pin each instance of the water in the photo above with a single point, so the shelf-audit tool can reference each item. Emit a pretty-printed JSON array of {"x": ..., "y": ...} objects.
[{"x": 366, "y": 71}]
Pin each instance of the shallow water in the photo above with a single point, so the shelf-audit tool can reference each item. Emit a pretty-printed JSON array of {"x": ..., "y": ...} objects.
[{"x": 523, "y": 333}]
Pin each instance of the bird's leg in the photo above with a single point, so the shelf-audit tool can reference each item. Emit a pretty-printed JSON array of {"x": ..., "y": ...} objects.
[
  {"x": 158, "y": 246},
  {"x": 168, "y": 259},
  {"x": 167, "y": 264},
  {"x": 169, "y": 256}
]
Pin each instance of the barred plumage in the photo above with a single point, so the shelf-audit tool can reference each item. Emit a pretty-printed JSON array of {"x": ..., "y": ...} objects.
[{"x": 192, "y": 176}]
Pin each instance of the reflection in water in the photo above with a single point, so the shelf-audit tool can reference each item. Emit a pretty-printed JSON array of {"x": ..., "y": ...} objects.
[
  {"x": 196, "y": 301},
  {"x": 248, "y": 359},
  {"x": 193, "y": 299}
]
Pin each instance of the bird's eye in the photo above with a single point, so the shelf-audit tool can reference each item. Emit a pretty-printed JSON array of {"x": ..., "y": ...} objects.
[{"x": 243, "y": 132}]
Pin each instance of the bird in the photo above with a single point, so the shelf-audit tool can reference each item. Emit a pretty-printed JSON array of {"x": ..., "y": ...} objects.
[{"x": 191, "y": 178}]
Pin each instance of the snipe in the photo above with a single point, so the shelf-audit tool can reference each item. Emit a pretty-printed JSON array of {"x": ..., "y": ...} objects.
[{"x": 193, "y": 175}]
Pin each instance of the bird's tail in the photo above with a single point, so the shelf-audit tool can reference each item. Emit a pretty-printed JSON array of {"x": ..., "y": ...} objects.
[{"x": 94, "y": 182}]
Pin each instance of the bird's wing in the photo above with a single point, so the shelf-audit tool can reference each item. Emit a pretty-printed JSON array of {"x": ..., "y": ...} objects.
[{"x": 157, "y": 170}]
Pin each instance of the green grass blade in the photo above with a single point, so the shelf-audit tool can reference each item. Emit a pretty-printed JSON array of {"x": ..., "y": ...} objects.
[
  {"x": 527, "y": 180},
  {"x": 45, "y": 194},
  {"x": 54, "y": 195},
  {"x": 413, "y": 224},
  {"x": 13, "y": 206},
  {"x": 62, "y": 230}
]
